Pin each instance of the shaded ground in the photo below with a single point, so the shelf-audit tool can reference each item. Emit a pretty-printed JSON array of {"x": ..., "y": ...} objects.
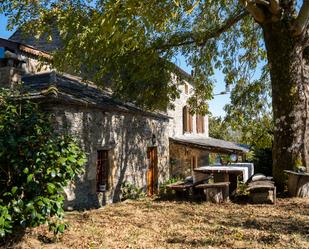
[{"x": 167, "y": 224}]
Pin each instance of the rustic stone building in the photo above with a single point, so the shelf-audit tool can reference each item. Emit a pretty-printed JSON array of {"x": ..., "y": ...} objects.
[{"x": 123, "y": 142}]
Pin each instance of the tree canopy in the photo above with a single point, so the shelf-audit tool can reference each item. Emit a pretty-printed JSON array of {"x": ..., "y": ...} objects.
[
  {"x": 131, "y": 45},
  {"x": 132, "y": 42}
]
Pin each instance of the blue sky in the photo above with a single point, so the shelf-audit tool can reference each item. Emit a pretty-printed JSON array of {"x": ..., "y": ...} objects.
[{"x": 216, "y": 105}]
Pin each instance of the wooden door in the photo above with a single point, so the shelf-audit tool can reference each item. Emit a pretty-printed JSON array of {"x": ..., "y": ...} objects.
[{"x": 152, "y": 172}]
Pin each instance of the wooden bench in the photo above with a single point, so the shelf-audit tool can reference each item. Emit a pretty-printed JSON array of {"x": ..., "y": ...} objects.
[
  {"x": 215, "y": 192},
  {"x": 182, "y": 189}
]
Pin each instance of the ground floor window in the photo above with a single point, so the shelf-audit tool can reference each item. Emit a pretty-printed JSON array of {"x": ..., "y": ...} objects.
[{"x": 102, "y": 170}]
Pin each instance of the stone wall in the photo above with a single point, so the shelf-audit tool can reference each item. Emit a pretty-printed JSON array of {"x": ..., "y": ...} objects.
[
  {"x": 126, "y": 136},
  {"x": 9, "y": 77},
  {"x": 183, "y": 159},
  {"x": 33, "y": 65}
]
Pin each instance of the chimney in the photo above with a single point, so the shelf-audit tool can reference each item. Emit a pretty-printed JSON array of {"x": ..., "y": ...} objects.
[{"x": 10, "y": 70}]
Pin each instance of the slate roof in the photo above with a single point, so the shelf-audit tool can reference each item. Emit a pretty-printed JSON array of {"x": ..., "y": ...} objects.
[
  {"x": 41, "y": 44},
  {"x": 199, "y": 140},
  {"x": 71, "y": 89}
]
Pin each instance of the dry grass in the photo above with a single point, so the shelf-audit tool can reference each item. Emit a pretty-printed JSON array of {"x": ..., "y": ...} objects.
[{"x": 168, "y": 224}]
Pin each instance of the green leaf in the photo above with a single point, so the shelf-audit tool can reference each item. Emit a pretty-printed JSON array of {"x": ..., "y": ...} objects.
[
  {"x": 29, "y": 178},
  {"x": 51, "y": 188},
  {"x": 14, "y": 189},
  {"x": 53, "y": 173}
]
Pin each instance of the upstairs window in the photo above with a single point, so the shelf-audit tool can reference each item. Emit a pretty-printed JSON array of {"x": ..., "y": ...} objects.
[
  {"x": 102, "y": 170},
  {"x": 187, "y": 120},
  {"x": 200, "y": 124}
]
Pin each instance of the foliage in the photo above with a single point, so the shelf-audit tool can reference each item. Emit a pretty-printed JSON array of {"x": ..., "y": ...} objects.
[
  {"x": 254, "y": 131},
  {"x": 248, "y": 120},
  {"x": 263, "y": 161},
  {"x": 220, "y": 129},
  {"x": 35, "y": 165},
  {"x": 130, "y": 191},
  {"x": 249, "y": 114},
  {"x": 129, "y": 44},
  {"x": 164, "y": 190},
  {"x": 241, "y": 189},
  {"x": 137, "y": 39}
]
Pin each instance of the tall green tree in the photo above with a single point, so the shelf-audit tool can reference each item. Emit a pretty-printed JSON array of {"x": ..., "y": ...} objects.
[
  {"x": 132, "y": 41},
  {"x": 249, "y": 114}
]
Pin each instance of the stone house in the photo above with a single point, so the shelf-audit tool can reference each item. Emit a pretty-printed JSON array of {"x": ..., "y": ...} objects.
[
  {"x": 122, "y": 141},
  {"x": 189, "y": 143}
]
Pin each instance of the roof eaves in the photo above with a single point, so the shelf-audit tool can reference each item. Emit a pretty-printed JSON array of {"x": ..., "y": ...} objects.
[
  {"x": 24, "y": 48},
  {"x": 209, "y": 146}
]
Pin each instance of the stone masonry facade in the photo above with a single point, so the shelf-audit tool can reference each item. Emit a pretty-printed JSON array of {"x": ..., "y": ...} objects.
[{"x": 126, "y": 137}]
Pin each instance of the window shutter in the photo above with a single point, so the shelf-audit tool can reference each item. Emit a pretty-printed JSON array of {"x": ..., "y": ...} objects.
[
  {"x": 199, "y": 123},
  {"x": 190, "y": 122},
  {"x": 185, "y": 119}
]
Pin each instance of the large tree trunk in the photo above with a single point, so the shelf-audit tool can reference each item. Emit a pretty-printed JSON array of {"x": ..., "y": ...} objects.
[{"x": 289, "y": 78}]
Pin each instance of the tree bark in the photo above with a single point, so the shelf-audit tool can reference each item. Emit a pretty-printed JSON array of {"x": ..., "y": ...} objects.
[{"x": 289, "y": 73}]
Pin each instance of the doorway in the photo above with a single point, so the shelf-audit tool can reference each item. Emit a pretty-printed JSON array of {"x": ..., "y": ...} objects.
[{"x": 152, "y": 172}]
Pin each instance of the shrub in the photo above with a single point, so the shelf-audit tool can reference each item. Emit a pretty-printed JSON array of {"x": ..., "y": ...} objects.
[
  {"x": 263, "y": 161},
  {"x": 35, "y": 165},
  {"x": 130, "y": 191},
  {"x": 164, "y": 190}
]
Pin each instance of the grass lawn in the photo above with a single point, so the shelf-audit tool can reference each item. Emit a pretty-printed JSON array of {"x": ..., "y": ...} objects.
[{"x": 168, "y": 224}]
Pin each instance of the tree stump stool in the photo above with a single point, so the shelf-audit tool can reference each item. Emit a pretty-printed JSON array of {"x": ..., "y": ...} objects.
[{"x": 262, "y": 192}]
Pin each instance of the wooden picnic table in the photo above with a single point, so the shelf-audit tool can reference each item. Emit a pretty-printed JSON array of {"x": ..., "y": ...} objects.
[{"x": 223, "y": 174}]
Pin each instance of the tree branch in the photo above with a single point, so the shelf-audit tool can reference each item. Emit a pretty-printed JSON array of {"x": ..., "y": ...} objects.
[
  {"x": 263, "y": 2},
  {"x": 182, "y": 39},
  {"x": 302, "y": 19},
  {"x": 274, "y": 7},
  {"x": 254, "y": 10}
]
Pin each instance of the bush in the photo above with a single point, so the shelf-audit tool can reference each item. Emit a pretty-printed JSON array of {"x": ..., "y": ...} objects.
[
  {"x": 164, "y": 190},
  {"x": 35, "y": 165},
  {"x": 130, "y": 191},
  {"x": 263, "y": 161}
]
